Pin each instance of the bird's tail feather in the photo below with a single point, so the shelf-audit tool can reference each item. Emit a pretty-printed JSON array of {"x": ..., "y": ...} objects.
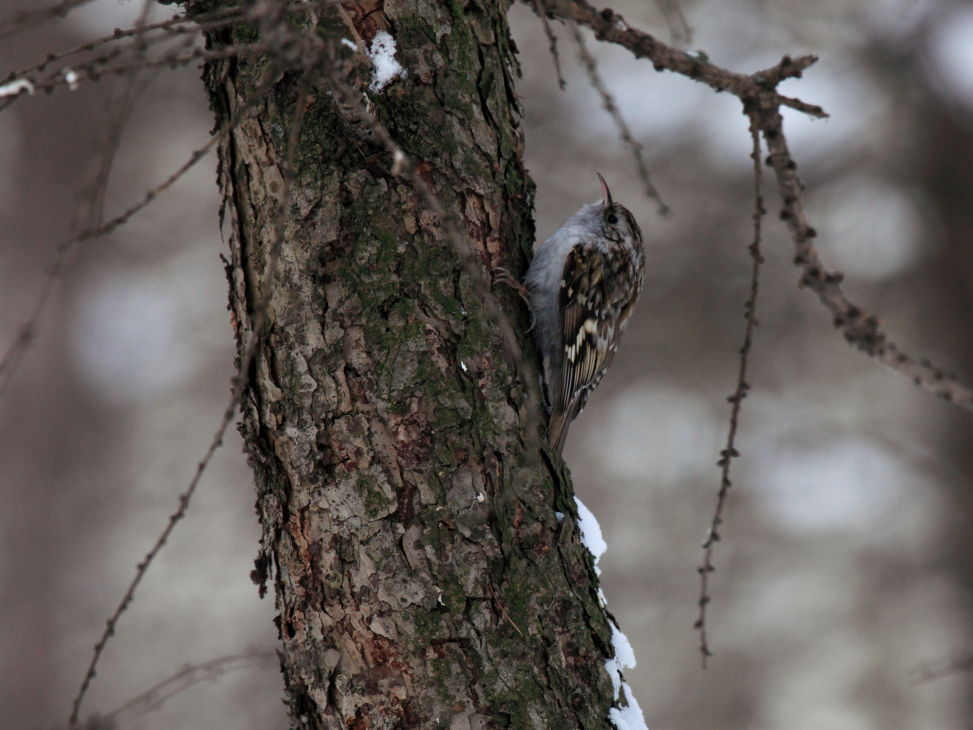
[{"x": 557, "y": 429}]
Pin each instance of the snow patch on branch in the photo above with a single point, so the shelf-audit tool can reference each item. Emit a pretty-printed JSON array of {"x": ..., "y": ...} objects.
[
  {"x": 384, "y": 66},
  {"x": 628, "y": 717},
  {"x": 16, "y": 88}
]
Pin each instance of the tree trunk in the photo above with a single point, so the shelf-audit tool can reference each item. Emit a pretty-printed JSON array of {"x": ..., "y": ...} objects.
[{"x": 413, "y": 527}]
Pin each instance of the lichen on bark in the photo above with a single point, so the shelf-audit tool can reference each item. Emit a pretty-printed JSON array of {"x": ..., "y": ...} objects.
[{"x": 421, "y": 574}]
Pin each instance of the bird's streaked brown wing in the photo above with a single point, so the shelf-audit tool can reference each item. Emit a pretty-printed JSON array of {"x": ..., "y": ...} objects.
[{"x": 590, "y": 329}]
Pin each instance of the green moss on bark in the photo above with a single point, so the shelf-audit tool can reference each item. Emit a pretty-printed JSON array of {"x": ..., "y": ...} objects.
[{"x": 422, "y": 579}]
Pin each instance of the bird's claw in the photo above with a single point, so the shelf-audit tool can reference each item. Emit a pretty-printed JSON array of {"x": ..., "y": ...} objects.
[{"x": 503, "y": 276}]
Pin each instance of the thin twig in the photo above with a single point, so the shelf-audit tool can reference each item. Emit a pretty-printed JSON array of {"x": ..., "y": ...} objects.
[
  {"x": 240, "y": 382},
  {"x": 27, "y": 330},
  {"x": 551, "y": 41},
  {"x": 608, "y": 101},
  {"x": 172, "y": 60},
  {"x": 679, "y": 29},
  {"x": 193, "y": 26},
  {"x": 736, "y": 399},
  {"x": 143, "y": 566},
  {"x": 190, "y": 675},
  {"x": 91, "y": 207}
]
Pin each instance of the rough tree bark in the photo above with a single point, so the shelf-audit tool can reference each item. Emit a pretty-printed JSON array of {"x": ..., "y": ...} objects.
[{"x": 423, "y": 577}]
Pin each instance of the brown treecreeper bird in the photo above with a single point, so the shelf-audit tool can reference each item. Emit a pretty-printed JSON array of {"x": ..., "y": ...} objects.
[{"x": 583, "y": 283}]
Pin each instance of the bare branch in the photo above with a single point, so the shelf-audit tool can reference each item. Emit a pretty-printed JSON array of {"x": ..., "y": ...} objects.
[
  {"x": 28, "y": 328},
  {"x": 736, "y": 398},
  {"x": 143, "y": 566},
  {"x": 177, "y": 25},
  {"x": 95, "y": 70},
  {"x": 551, "y": 40},
  {"x": 762, "y": 104},
  {"x": 91, "y": 207},
  {"x": 859, "y": 328},
  {"x": 608, "y": 101},
  {"x": 610, "y": 26}
]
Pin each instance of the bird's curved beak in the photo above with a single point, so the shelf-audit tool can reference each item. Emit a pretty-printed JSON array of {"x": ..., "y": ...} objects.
[{"x": 606, "y": 193}]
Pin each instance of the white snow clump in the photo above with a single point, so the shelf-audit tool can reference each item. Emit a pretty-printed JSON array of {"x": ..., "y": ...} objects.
[
  {"x": 16, "y": 87},
  {"x": 384, "y": 66}
]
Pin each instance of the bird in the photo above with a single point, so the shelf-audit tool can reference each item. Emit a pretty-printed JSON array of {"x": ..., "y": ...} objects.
[{"x": 583, "y": 283}]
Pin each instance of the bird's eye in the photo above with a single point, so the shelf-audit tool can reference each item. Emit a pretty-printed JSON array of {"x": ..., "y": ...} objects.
[{"x": 612, "y": 219}]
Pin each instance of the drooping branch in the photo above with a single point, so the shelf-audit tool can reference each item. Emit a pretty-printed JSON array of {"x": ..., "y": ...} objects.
[
  {"x": 730, "y": 452},
  {"x": 859, "y": 328}
]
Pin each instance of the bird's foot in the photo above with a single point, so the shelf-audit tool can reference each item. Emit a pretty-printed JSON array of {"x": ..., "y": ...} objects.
[{"x": 503, "y": 276}]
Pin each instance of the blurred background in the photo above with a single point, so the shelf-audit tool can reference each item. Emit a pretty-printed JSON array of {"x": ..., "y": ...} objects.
[{"x": 845, "y": 576}]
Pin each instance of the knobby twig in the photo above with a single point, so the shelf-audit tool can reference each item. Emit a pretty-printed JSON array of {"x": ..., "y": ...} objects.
[
  {"x": 175, "y": 26},
  {"x": 859, "y": 328},
  {"x": 91, "y": 208},
  {"x": 736, "y": 398},
  {"x": 94, "y": 72},
  {"x": 762, "y": 104},
  {"x": 27, "y": 330},
  {"x": 610, "y": 26},
  {"x": 608, "y": 101},
  {"x": 143, "y": 566}
]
